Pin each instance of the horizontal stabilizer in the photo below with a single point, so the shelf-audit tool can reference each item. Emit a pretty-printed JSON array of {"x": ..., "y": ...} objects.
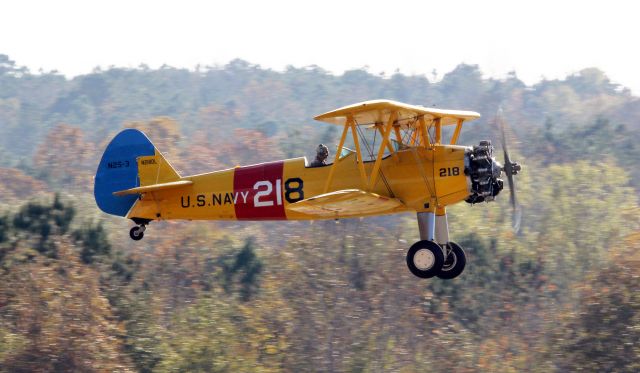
[
  {"x": 153, "y": 187},
  {"x": 346, "y": 203}
]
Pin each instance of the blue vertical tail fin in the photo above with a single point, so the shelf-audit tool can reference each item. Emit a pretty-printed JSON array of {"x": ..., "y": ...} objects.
[{"x": 118, "y": 170}]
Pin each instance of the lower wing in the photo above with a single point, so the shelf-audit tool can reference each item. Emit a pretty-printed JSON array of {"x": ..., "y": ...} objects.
[{"x": 347, "y": 203}]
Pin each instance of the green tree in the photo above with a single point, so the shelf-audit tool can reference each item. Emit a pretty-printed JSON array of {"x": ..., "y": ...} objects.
[
  {"x": 94, "y": 242},
  {"x": 241, "y": 271},
  {"x": 39, "y": 222}
]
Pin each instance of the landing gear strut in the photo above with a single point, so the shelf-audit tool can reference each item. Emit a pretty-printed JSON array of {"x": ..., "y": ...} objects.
[
  {"x": 454, "y": 262},
  {"x": 435, "y": 255}
]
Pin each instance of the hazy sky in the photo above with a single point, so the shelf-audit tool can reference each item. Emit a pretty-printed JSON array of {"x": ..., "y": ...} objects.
[{"x": 535, "y": 38}]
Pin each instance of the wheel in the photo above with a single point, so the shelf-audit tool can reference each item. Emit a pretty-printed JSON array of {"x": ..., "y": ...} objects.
[
  {"x": 454, "y": 263},
  {"x": 136, "y": 233},
  {"x": 425, "y": 259}
]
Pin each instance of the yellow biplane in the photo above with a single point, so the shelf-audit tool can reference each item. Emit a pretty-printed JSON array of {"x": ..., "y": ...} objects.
[{"x": 410, "y": 169}]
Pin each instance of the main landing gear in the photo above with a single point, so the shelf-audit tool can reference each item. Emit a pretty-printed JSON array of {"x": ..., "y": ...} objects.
[
  {"x": 435, "y": 255},
  {"x": 136, "y": 233}
]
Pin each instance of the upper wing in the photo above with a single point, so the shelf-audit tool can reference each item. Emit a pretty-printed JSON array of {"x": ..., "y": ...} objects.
[
  {"x": 378, "y": 111},
  {"x": 346, "y": 203}
]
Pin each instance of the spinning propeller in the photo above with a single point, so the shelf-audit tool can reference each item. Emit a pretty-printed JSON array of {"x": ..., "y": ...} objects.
[{"x": 510, "y": 169}]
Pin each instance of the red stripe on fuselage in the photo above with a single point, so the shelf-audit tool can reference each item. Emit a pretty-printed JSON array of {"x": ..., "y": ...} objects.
[{"x": 262, "y": 186}]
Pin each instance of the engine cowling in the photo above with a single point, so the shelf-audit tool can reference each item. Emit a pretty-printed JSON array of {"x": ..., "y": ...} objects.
[{"x": 483, "y": 172}]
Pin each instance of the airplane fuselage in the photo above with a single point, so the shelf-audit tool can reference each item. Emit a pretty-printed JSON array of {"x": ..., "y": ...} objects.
[{"x": 418, "y": 177}]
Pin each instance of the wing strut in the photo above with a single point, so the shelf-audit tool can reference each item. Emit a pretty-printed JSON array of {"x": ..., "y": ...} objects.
[
  {"x": 385, "y": 140},
  {"x": 424, "y": 132},
  {"x": 363, "y": 173},
  {"x": 378, "y": 128},
  {"x": 338, "y": 152},
  {"x": 456, "y": 133},
  {"x": 438, "y": 124}
]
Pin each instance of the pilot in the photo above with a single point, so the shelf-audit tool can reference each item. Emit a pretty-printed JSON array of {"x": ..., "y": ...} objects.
[{"x": 322, "y": 152}]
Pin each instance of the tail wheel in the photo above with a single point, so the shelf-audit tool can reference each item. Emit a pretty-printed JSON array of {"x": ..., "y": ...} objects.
[
  {"x": 425, "y": 259},
  {"x": 136, "y": 233},
  {"x": 454, "y": 263}
]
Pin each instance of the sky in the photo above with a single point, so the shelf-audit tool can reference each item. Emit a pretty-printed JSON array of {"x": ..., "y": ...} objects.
[{"x": 539, "y": 39}]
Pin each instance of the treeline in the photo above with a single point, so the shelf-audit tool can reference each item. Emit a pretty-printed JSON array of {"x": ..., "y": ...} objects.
[
  {"x": 243, "y": 106},
  {"x": 212, "y": 102}
]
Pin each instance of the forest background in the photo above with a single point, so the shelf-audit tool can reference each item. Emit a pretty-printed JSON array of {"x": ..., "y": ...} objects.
[{"x": 76, "y": 294}]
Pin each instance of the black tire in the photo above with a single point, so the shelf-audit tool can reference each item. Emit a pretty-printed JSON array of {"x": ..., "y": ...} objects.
[
  {"x": 431, "y": 256},
  {"x": 454, "y": 263},
  {"x": 136, "y": 234}
]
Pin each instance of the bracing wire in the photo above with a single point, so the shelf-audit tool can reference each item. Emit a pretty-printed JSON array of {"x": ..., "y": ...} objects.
[
  {"x": 407, "y": 135},
  {"x": 366, "y": 143}
]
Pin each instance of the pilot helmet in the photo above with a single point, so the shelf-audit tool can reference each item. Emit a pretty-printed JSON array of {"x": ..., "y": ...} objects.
[{"x": 322, "y": 151}]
